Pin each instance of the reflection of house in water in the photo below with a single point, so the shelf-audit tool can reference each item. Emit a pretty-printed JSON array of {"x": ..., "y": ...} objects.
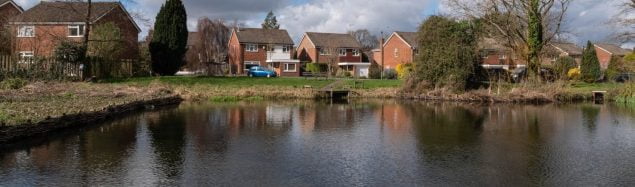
[
  {"x": 393, "y": 116},
  {"x": 279, "y": 115}
]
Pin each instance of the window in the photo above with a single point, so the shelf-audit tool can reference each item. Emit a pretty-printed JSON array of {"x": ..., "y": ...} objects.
[
  {"x": 356, "y": 52},
  {"x": 396, "y": 52},
  {"x": 26, "y": 31},
  {"x": 251, "y": 48},
  {"x": 502, "y": 57},
  {"x": 76, "y": 30},
  {"x": 25, "y": 56},
  {"x": 290, "y": 68},
  {"x": 342, "y": 52},
  {"x": 270, "y": 48},
  {"x": 286, "y": 49},
  {"x": 324, "y": 51}
]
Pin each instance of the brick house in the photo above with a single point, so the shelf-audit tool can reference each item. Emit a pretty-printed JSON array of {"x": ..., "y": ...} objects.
[
  {"x": 606, "y": 51},
  {"x": 272, "y": 48},
  {"x": 9, "y": 9},
  {"x": 41, "y": 28},
  {"x": 495, "y": 55},
  {"x": 337, "y": 50},
  {"x": 555, "y": 50},
  {"x": 399, "y": 48}
]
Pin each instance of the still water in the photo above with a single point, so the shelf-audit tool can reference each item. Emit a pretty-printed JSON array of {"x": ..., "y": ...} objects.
[{"x": 387, "y": 143}]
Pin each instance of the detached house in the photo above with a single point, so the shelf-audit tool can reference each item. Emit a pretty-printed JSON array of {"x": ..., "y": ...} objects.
[
  {"x": 337, "y": 50},
  {"x": 495, "y": 55},
  {"x": 606, "y": 51},
  {"x": 40, "y": 29},
  {"x": 555, "y": 50},
  {"x": 399, "y": 48},
  {"x": 9, "y": 9},
  {"x": 271, "y": 48}
]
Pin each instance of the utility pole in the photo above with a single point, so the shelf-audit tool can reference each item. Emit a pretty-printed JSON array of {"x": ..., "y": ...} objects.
[{"x": 382, "y": 54}]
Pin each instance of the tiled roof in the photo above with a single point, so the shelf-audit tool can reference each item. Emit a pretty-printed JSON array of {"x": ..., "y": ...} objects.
[
  {"x": 64, "y": 12},
  {"x": 410, "y": 38},
  {"x": 333, "y": 40},
  {"x": 264, "y": 36},
  {"x": 612, "y": 48},
  {"x": 569, "y": 48}
]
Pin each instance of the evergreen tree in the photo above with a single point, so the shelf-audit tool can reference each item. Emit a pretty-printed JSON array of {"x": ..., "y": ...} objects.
[
  {"x": 169, "y": 39},
  {"x": 590, "y": 67},
  {"x": 270, "y": 22}
]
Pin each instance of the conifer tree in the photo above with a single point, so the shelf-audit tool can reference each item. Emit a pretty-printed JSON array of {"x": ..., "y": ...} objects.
[
  {"x": 169, "y": 39},
  {"x": 590, "y": 67},
  {"x": 270, "y": 22}
]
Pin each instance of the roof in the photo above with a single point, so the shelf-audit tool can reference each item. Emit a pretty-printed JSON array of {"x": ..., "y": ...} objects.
[
  {"x": 192, "y": 38},
  {"x": 569, "y": 48},
  {"x": 410, "y": 38},
  {"x": 333, "y": 40},
  {"x": 263, "y": 36},
  {"x": 67, "y": 12},
  {"x": 614, "y": 49},
  {"x": 6, "y": 2}
]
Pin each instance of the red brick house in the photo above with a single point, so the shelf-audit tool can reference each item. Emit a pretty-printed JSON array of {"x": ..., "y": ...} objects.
[
  {"x": 272, "y": 48},
  {"x": 555, "y": 50},
  {"x": 9, "y": 9},
  {"x": 337, "y": 50},
  {"x": 41, "y": 28},
  {"x": 399, "y": 48},
  {"x": 606, "y": 51},
  {"x": 495, "y": 55}
]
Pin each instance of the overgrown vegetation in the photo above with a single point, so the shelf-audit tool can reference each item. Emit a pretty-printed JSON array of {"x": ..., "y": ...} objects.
[
  {"x": 12, "y": 83},
  {"x": 563, "y": 65},
  {"x": 448, "y": 58}
]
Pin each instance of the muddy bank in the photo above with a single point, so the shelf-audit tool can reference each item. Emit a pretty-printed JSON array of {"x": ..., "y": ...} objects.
[{"x": 13, "y": 133}]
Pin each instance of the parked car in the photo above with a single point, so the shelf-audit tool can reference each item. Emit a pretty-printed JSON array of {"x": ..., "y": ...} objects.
[
  {"x": 259, "y": 71},
  {"x": 624, "y": 77}
]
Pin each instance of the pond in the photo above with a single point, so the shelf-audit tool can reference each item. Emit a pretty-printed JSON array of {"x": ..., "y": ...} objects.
[{"x": 307, "y": 143}]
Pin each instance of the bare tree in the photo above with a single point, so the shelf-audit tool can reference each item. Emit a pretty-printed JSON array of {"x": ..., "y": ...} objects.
[
  {"x": 625, "y": 22},
  {"x": 364, "y": 37},
  {"x": 211, "y": 46},
  {"x": 510, "y": 21}
]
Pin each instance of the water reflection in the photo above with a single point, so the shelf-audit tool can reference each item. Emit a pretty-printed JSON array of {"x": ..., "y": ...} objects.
[{"x": 356, "y": 143}]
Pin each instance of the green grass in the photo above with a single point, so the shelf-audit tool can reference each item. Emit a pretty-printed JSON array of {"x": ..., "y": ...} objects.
[
  {"x": 241, "y": 82},
  {"x": 589, "y": 87}
]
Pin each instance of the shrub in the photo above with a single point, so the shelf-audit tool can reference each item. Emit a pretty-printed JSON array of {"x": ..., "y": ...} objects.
[
  {"x": 343, "y": 73},
  {"x": 590, "y": 68},
  {"x": 574, "y": 74},
  {"x": 390, "y": 74},
  {"x": 316, "y": 67},
  {"x": 14, "y": 83},
  {"x": 616, "y": 66},
  {"x": 70, "y": 52},
  {"x": 404, "y": 70},
  {"x": 374, "y": 71},
  {"x": 562, "y": 66}
]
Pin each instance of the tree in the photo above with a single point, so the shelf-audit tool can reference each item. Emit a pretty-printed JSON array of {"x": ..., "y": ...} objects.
[
  {"x": 590, "y": 67},
  {"x": 270, "y": 22},
  {"x": 448, "y": 58},
  {"x": 364, "y": 37},
  {"x": 616, "y": 66},
  {"x": 525, "y": 26},
  {"x": 106, "y": 41},
  {"x": 211, "y": 47},
  {"x": 625, "y": 22},
  {"x": 169, "y": 39},
  {"x": 563, "y": 65}
]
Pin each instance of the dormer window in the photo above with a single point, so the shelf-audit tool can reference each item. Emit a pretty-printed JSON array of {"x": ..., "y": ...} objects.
[
  {"x": 26, "y": 31},
  {"x": 251, "y": 48},
  {"x": 76, "y": 30}
]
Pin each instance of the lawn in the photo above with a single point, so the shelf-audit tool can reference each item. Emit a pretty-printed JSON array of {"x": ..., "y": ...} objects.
[{"x": 243, "y": 82}]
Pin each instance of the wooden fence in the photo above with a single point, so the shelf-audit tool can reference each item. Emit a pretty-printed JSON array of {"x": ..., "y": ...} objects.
[{"x": 49, "y": 69}]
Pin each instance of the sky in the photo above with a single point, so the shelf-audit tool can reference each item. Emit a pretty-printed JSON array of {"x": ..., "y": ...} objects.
[{"x": 586, "y": 19}]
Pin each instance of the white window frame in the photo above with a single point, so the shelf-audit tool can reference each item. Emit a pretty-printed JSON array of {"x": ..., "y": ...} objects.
[
  {"x": 251, "y": 48},
  {"x": 324, "y": 52},
  {"x": 341, "y": 52},
  {"x": 502, "y": 56},
  {"x": 81, "y": 30},
  {"x": 22, "y": 31},
  {"x": 396, "y": 52},
  {"x": 286, "y": 49},
  {"x": 286, "y": 67},
  {"x": 356, "y": 52},
  {"x": 25, "y": 57}
]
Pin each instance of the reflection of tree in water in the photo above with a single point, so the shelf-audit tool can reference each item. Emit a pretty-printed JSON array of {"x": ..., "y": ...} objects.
[
  {"x": 590, "y": 116},
  {"x": 168, "y": 138},
  {"x": 105, "y": 146}
]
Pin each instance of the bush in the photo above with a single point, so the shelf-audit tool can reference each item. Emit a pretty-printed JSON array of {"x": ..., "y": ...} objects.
[
  {"x": 13, "y": 84},
  {"x": 316, "y": 67},
  {"x": 70, "y": 52},
  {"x": 574, "y": 74},
  {"x": 590, "y": 68},
  {"x": 616, "y": 66},
  {"x": 390, "y": 74},
  {"x": 404, "y": 70},
  {"x": 562, "y": 66},
  {"x": 374, "y": 71},
  {"x": 343, "y": 73}
]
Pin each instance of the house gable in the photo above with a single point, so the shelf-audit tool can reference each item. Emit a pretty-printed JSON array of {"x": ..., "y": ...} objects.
[
  {"x": 395, "y": 35},
  {"x": 13, "y": 4},
  {"x": 120, "y": 10}
]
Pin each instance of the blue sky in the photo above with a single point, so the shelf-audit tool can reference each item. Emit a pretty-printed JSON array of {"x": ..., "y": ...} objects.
[{"x": 586, "y": 20}]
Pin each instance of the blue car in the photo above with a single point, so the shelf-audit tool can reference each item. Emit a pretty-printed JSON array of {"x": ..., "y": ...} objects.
[{"x": 258, "y": 71}]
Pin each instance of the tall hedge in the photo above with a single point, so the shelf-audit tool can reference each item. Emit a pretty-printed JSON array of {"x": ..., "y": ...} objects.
[
  {"x": 169, "y": 39},
  {"x": 590, "y": 66},
  {"x": 447, "y": 56}
]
